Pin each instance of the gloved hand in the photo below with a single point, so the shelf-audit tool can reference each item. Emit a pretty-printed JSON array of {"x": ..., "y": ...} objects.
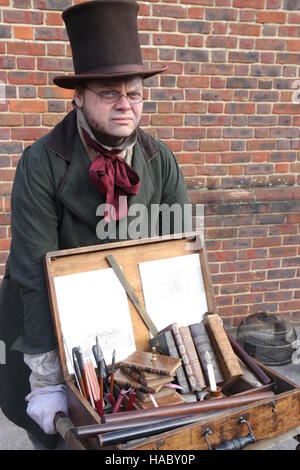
[{"x": 45, "y": 403}]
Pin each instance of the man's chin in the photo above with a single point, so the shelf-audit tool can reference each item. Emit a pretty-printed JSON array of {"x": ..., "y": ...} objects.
[{"x": 121, "y": 131}]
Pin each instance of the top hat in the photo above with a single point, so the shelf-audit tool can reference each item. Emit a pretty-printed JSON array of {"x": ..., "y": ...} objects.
[{"x": 104, "y": 40}]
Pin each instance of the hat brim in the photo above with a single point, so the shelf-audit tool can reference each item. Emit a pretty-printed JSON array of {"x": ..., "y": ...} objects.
[{"x": 71, "y": 81}]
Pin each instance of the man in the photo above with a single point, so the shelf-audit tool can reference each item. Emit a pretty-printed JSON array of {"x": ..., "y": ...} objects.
[{"x": 96, "y": 157}]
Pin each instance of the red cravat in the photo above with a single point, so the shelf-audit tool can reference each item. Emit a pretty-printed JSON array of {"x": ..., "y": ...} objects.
[{"x": 112, "y": 177}]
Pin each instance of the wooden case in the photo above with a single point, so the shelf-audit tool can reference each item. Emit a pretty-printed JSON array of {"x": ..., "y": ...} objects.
[{"x": 267, "y": 418}]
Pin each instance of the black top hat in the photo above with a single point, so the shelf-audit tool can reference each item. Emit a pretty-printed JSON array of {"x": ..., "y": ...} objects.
[{"x": 104, "y": 39}]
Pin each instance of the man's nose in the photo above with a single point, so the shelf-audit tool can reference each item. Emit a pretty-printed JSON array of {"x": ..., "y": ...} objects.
[{"x": 123, "y": 103}]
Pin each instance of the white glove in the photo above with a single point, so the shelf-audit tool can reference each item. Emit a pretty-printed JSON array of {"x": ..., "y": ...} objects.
[{"x": 45, "y": 403}]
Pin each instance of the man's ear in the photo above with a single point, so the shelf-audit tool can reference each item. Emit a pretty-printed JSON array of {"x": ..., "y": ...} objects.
[{"x": 78, "y": 96}]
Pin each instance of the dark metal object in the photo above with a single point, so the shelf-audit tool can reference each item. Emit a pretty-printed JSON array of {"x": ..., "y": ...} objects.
[
  {"x": 92, "y": 430},
  {"x": 237, "y": 443},
  {"x": 267, "y": 338},
  {"x": 248, "y": 361},
  {"x": 105, "y": 371},
  {"x": 141, "y": 431}
]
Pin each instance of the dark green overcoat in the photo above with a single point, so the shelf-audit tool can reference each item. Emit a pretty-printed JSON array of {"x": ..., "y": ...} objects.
[{"x": 54, "y": 207}]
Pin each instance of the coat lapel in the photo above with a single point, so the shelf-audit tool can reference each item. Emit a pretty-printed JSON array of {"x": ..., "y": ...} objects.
[{"x": 77, "y": 192}]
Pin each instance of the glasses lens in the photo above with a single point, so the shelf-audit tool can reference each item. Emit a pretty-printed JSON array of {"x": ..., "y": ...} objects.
[
  {"x": 111, "y": 96},
  {"x": 134, "y": 98}
]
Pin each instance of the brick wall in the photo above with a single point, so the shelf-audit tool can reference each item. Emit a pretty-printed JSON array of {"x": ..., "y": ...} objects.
[{"x": 226, "y": 108}]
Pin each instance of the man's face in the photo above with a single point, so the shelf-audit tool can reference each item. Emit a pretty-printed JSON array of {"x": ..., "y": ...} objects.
[{"x": 112, "y": 120}]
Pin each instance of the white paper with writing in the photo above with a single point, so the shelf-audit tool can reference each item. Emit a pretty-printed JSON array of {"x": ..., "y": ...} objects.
[{"x": 94, "y": 303}]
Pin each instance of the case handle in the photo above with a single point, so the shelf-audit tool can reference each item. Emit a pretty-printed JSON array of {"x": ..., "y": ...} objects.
[{"x": 237, "y": 443}]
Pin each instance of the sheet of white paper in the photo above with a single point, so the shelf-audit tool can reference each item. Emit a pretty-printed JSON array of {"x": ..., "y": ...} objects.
[
  {"x": 94, "y": 303},
  {"x": 174, "y": 290}
]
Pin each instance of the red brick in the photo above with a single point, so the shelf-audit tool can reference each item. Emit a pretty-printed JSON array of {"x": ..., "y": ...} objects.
[
  {"x": 51, "y": 34},
  {"x": 189, "y": 133},
  {"x": 195, "y": 41},
  {"x": 5, "y": 244},
  {"x": 293, "y": 45},
  {"x": 224, "y": 300},
  {"x": 30, "y": 78},
  {"x": 23, "y": 32},
  {"x": 28, "y": 106},
  {"x": 213, "y": 146},
  {"x": 28, "y": 133},
  {"x": 53, "y": 4},
  {"x": 270, "y": 44},
  {"x": 235, "y": 288},
  {"x": 247, "y": 299},
  {"x": 288, "y": 31},
  {"x": 169, "y": 39},
  {"x": 278, "y": 296},
  {"x": 240, "y": 108},
  {"x": 240, "y": 29},
  {"x": 251, "y": 276},
  {"x": 190, "y": 82},
  {"x": 294, "y": 18},
  {"x": 285, "y": 251},
  {"x": 55, "y": 92},
  {"x": 292, "y": 305},
  {"x": 169, "y": 11},
  {"x": 221, "y": 41},
  {"x": 217, "y": 69},
  {"x": 190, "y": 108},
  {"x": 276, "y": 17},
  {"x": 195, "y": 13},
  {"x": 290, "y": 284},
  {"x": 248, "y": 3},
  {"x": 273, "y": 4},
  {"x": 11, "y": 120},
  {"x": 23, "y": 17},
  {"x": 166, "y": 120},
  {"x": 6, "y": 175},
  {"x": 54, "y": 19},
  {"x": 21, "y": 48},
  {"x": 252, "y": 254},
  {"x": 281, "y": 273},
  {"x": 220, "y": 14}
]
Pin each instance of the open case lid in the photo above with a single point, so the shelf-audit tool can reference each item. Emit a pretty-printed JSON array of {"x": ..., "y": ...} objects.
[{"x": 72, "y": 275}]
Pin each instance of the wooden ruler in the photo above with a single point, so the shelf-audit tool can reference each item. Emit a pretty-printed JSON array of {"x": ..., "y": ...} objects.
[{"x": 132, "y": 295}]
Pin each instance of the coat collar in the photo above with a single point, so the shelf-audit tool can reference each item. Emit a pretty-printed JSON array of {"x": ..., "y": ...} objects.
[
  {"x": 76, "y": 191},
  {"x": 61, "y": 139}
]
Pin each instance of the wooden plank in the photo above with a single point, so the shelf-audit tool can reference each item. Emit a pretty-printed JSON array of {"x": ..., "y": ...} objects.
[{"x": 132, "y": 295}]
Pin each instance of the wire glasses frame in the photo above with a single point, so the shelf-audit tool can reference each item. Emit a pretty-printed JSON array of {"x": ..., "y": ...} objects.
[{"x": 111, "y": 96}]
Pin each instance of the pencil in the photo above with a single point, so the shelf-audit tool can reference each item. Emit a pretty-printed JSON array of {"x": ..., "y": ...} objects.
[
  {"x": 101, "y": 377},
  {"x": 112, "y": 373},
  {"x": 82, "y": 367},
  {"x": 79, "y": 376},
  {"x": 85, "y": 368}
]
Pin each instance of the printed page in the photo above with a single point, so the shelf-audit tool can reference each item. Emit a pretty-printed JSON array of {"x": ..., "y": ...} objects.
[
  {"x": 173, "y": 290},
  {"x": 94, "y": 303}
]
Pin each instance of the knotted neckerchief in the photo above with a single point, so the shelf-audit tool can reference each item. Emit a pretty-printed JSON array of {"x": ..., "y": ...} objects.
[{"x": 113, "y": 177}]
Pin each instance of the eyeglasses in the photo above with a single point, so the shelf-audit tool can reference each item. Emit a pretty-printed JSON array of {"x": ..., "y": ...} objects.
[{"x": 110, "y": 96}]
